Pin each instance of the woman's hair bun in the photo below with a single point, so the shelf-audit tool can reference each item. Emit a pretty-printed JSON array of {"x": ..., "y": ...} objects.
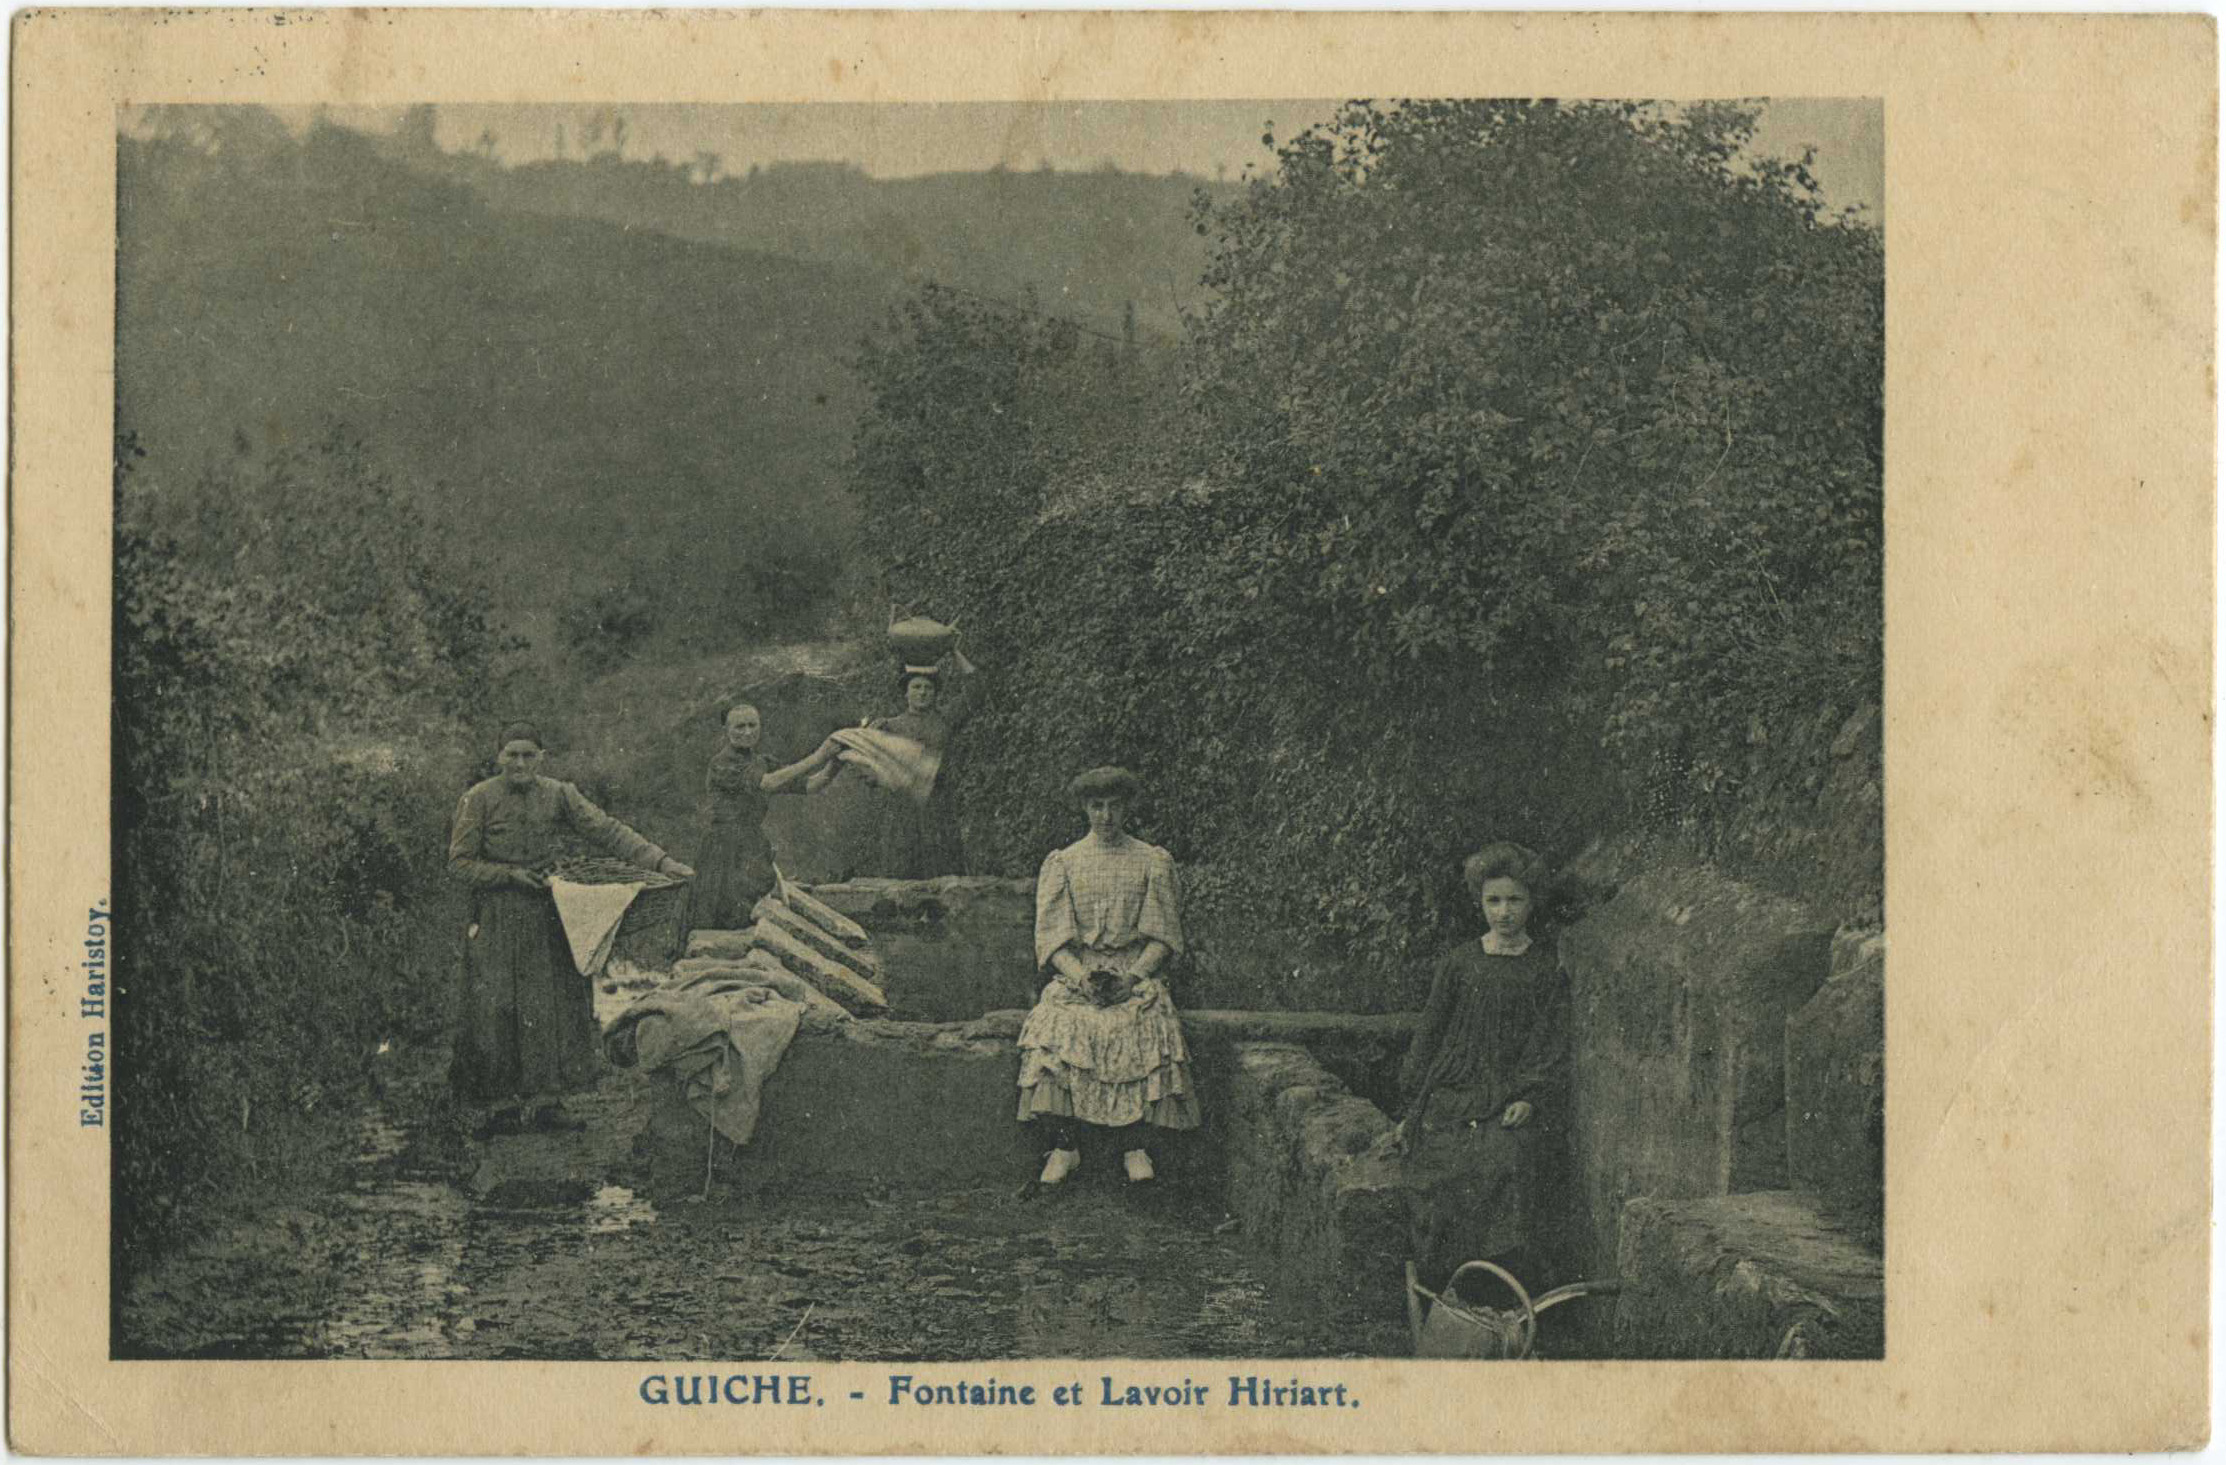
[{"x": 1506, "y": 861}]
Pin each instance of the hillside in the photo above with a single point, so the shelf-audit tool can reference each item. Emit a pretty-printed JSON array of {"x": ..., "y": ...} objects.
[
  {"x": 1088, "y": 244},
  {"x": 630, "y": 393},
  {"x": 581, "y": 401}
]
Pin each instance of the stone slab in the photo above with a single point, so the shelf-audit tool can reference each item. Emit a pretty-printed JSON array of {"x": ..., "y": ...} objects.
[
  {"x": 825, "y": 916},
  {"x": 950, "y": 948},
  {"x": 1681, "y": 985},
  {"x": 1761, "y": 1275},
  {"x": 861, "y": 960},
  {"x": 834, "y": 978},
  {"x": 1835, "y": 1073},
  {"x": 1312, "y": 1183},
  {"x": 713, "y": 942}
]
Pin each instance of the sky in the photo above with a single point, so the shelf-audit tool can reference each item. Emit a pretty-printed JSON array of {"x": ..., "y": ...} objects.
[{"x": 1205, "y": 138}]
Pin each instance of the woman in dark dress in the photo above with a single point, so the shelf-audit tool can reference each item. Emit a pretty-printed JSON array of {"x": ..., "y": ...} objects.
[
  {"x": 734, "y": 862},
  {"x": 527, "y": 1031},
  {"x": 918, "y": 838},
  {"x": 1485, "y": 1080}
]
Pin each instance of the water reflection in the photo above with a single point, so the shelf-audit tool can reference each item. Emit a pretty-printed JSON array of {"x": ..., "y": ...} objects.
[
  {"x": 614, "y": 1208},
  {"x": 548, "y": 1253}
]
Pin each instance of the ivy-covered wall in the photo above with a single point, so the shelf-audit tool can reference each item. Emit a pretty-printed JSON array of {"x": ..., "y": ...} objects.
[{"x": 1522, "y": 479}]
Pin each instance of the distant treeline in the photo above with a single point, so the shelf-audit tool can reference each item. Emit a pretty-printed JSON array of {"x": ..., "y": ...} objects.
[
  {"x": 1522, "y": 481},
  {"x": 626, "y": 382}
]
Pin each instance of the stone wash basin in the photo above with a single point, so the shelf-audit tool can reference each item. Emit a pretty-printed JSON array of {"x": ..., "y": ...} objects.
[{"x": 923, "y": 1101}]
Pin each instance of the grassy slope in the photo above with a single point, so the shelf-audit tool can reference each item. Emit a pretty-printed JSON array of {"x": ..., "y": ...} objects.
[
  {"x": 577, "y": 397},
  {"x": 1087, "y": 244}
]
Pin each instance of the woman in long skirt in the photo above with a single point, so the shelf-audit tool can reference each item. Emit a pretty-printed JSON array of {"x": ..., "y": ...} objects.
[
  {"x": 1485, "y": 1081},
  {"x": 527, "y": 1031},
  {"x": 1102, "y": 1057},
  {"x": 917, "y": 835},
  {"x": 734, "y": 862}
]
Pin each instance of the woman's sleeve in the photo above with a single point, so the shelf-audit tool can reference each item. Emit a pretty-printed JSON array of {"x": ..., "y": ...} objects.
[
  {"x": 800, "y": 784},
  {"x": 615, "y": 838},
  {"x": 1428, "y": 1033},
  {"x": 1055, "y": 922},
  {"x": 964, "y": 696},
  {"x": 1162, "y": 916},
  {"x": 1538, "y": 1074},
  {"x": 467, "y": 847}
]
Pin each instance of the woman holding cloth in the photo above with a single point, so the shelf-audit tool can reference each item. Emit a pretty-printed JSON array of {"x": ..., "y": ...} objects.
[
  {"x": 734, "y": 859},
  {"x": 527, "y": 1031}
]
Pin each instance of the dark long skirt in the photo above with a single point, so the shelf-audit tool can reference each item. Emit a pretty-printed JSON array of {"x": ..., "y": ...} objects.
[
  {"x": 527, "y": 1017},
  {"x": 734, "y": 870},
  {"x": 919, "y": 840},
  {"x": 1474, "y": 1185}
]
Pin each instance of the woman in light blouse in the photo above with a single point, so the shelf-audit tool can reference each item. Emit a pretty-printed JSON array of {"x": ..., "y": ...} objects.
[{"x": 1102, "y": 1055}]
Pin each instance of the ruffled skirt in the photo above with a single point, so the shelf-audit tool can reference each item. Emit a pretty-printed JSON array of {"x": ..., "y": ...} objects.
[{"x": 1106, "y": 1065}]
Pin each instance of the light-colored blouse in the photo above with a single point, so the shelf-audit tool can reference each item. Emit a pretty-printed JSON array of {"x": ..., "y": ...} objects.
[{"x": 1106, "y": 900}]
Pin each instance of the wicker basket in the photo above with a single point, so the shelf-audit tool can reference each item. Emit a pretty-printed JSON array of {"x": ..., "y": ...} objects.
[{"x": 654, "y": 925}]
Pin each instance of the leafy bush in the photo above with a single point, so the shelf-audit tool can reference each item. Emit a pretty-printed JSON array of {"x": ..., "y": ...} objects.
[
  {"x": 604, "y": 625},
  {"x": 291, "y": 657},
  {"x": 1521, "y": 479}
]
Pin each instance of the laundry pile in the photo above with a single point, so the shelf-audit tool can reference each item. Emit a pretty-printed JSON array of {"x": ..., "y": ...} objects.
[
  {"x": 794, "y": 932},
  {"x": 723, "y": 1022}
]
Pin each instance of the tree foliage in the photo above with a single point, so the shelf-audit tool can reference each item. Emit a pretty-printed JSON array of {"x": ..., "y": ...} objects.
[
  {"x": 1521, "y": 478},
  {"x": 292, "y": 654}
]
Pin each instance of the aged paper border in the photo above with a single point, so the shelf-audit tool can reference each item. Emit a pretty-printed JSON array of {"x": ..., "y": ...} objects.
[{"x": 2051, "y": 212}]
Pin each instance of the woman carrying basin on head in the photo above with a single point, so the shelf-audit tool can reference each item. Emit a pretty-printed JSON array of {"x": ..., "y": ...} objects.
[
  {"x": 1103, "y": 1060},
  {"x": 907, "y": 757}
]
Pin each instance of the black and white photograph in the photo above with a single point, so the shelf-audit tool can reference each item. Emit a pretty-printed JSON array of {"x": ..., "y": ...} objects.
[{"x": 956, "y": 732}]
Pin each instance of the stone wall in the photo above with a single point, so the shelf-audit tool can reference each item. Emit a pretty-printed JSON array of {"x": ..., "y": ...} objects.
[
  {"x": 862, "y": 1107},
  {"x": 1681, "y": 987},
  {"x": 1746, "y": 1276},
  {"x": 887, "y": 1106},
  {"x": 895, "y": 1104},
  {"x": 1835, "y": 1078},
  {"x": 1317, "y": 1192},
  {"x": 951, "y": 948},
  {"x": 1729, "y": 1072}
]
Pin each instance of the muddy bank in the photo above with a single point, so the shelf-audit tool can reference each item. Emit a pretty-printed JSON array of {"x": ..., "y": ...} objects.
[{"x": 540, "y": 1246}]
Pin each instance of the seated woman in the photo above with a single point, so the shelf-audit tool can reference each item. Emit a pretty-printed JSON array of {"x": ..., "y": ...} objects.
[
  {"x": 1484, "y": 1079},
  {"x": 527, "y": 1034},
  {"x": 734, "y": 862},
  {"x": 1102, "y": 1054}
]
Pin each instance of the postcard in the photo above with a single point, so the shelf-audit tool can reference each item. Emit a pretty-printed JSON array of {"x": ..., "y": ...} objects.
[{"x": 1096, "y": 733}]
